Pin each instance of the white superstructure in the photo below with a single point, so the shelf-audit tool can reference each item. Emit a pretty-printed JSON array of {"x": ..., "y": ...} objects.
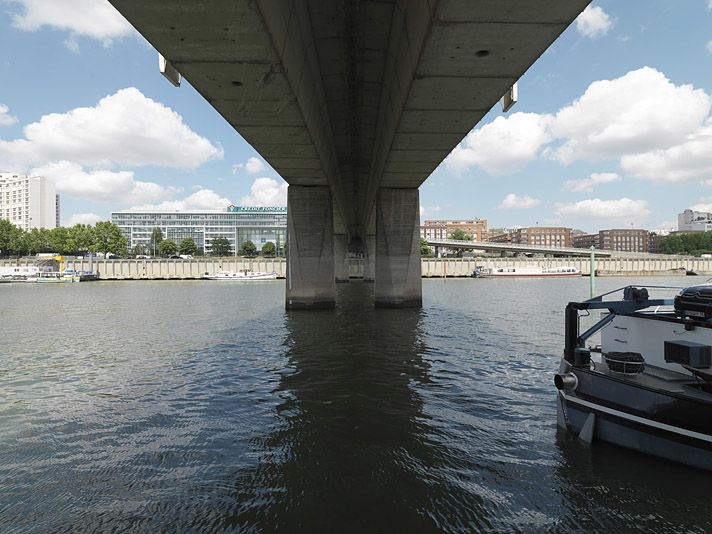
[{"x": 28, "y": 201}]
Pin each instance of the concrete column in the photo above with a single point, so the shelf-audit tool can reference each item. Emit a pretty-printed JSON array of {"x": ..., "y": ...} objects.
[
  {"x": 398, "y": 283},
  {"x": 341, "y": 258},
  {"x": 369, "y": 259},
  {"x": 310, "y": 254}
]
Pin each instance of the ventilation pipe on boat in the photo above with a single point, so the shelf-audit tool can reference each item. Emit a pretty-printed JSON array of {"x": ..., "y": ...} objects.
[
  {"x": 571, "y": 333},
  {"x": 566, "y": 381}
]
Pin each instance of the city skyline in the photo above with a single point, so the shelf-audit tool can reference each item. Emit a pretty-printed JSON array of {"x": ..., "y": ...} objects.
[{"x": 612, "y": 127}]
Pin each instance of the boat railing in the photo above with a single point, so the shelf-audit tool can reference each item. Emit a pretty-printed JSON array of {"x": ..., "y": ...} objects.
[{"x": 635, "y": 299}]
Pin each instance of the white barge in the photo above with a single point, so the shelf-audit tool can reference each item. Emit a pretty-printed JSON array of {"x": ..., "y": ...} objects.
[
  {"x": 243, "y": 275},
  {"x": 525, "y": 272}
]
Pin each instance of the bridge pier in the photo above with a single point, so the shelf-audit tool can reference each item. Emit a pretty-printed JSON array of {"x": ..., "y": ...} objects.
[
  {"x": 398, "y": 282},
  {"x": 369, "y": 259},
  {"x": 341, "y": 258},
  {"x": 310, "y": 253}
]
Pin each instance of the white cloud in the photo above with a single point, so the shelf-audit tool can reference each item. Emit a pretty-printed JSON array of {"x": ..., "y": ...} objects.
[
  {"x": 125, "y": 128},
  {"x": 586, "y": 185},
  {"x": 252, "y": 166},
  {"x": 708, "y": 46},
  {"x": 205, "y": 199},
  {"x": 704, "y": 204},
  {"x": 689, "y": 160},
  {"x": 593, "y": 22},
  {"x": 623, "y": 209},
  {"x": 96, "y": 19},
  {"x": 640, "y": 111},
  {"x": 83, "y": 218},
  {"x": 503, "y": 145},
  {"x": 266, "y": 192},
  {"x": 101, "y": 185},
  {"x": 512, "y": 201},
  {"x": 709, "y": 5},
  {"x": 5, "y": 118}
]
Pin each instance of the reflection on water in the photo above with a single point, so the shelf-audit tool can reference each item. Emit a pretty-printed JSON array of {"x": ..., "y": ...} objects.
[
  {"x": 353, "y": 430},
  {"x": 190, "y": 405}
]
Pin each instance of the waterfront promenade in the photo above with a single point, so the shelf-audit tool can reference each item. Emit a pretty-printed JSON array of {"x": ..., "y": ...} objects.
[{"x": 166, "y": 269}]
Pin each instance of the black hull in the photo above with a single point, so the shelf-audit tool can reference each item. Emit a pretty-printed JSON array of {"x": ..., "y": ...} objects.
[{"x": 663, "y": 424}]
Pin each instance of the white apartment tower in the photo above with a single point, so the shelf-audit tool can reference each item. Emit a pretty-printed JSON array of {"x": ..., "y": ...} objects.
[
  {"x": 694, "y": 221},
  {"x": 28, "y": 201}
]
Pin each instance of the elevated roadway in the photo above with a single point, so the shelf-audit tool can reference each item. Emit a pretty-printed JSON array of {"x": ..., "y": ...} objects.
[
  {"x": 354, "y": 103},
  {"x": 512, "y": 247}
]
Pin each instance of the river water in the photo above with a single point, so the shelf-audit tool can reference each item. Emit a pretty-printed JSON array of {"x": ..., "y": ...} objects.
[{"x": 186, "y": 406}]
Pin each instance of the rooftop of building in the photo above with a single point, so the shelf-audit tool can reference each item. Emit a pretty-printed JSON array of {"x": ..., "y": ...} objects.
[{"x": 228, "y": 209}]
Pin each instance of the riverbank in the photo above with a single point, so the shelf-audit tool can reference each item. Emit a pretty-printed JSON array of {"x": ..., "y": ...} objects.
[{"x": 165, "y": 269}]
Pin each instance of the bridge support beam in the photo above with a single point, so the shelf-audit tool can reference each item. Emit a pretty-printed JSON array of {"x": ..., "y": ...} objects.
[
  {"x": 310, "y": 253},
  {"x": 341, "y": 258},
  {"x": 398, "y": 283}
]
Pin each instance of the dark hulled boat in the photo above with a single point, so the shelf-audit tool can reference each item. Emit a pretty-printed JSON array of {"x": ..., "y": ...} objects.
[{"x": 649, "y": 388}]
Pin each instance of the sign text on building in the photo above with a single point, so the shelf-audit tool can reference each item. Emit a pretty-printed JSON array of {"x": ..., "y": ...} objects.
[{"x": 243, "y": 209}]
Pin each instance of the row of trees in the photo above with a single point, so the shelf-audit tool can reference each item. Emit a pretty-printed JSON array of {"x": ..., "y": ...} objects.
[
  {"x": 78, "y": 239},
  {"x": 106, "y": 237},
  {"x": 693, "y": 244},
  {"x": 220, "y": 247}
]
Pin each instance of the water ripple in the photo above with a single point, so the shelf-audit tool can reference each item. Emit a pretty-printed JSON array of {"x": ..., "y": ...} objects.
[{"x": 189, "y": 406}]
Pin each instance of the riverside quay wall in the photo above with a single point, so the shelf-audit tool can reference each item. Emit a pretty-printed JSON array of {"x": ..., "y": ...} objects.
[{"x": 165, "y": 269}]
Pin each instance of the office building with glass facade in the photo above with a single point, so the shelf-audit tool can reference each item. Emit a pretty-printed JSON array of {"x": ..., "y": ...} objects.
[{"x": 236, "y": 223}]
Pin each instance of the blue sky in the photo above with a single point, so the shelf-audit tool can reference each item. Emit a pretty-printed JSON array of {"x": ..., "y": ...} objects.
[{"x": 612, "y": 128}]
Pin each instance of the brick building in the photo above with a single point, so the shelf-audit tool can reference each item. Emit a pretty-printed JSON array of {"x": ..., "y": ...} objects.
[
  {"x": 500, "y": 237},
  {"x": 476, "y": 229},
  {"x": 550, "y": 236},
  {"x": 655, "y": 243},
  {"x": 622, "y": 239},
  {"x": 585, "y": 241},
  {"x": 625, "y": 240}
]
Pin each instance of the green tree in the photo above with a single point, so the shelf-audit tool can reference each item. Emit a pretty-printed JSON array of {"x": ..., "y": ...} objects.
[
  {"x": 458, "y": 234},
  {"x": 248, "y": 248},
  {"x": 36, "y": 240},
  {"x": 188, "y": 246},
  {"x": 10, "y": 238},
  {"x": 80, "y": 238},
  {"x": 155, "y": 240},
  {"x": 221, "y": 246},
  {"x": 167, "y": 248},
  {"x": 59, "y": 241},
  {"x": 693, "y": 244},
  {"x": 425, "y": 249},
  {"x": 269, "y": 249},
  {"x": 109, "y": 238}
]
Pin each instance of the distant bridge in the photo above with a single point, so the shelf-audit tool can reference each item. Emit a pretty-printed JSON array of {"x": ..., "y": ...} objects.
[{"x": 526, "y": 249}]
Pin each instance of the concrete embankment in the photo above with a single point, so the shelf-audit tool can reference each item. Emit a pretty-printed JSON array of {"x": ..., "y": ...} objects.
[{"x": 160, "y": 269}]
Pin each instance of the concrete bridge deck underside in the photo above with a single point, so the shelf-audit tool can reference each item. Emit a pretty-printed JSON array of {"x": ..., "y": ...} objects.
[
  {"x": 354, "y": 103},
  {"x": 353, "y": 94}
]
